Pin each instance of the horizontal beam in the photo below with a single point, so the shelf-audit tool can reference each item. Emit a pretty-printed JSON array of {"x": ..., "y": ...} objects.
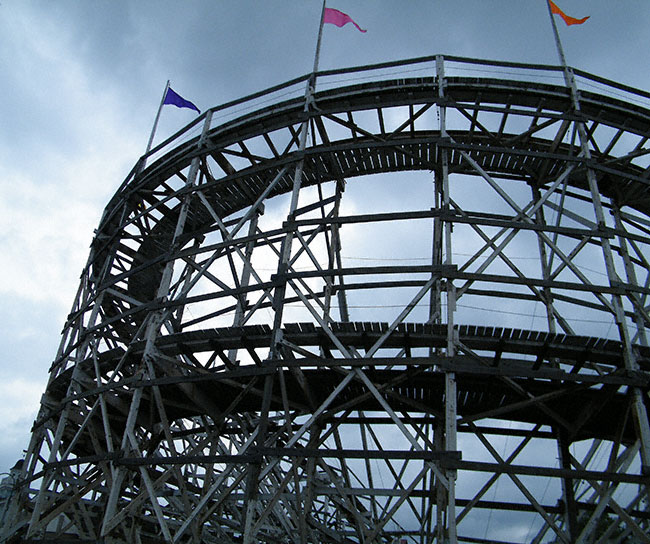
[
  {"x": 548, "y": 472},
  {"x": 469, "y": 217}
]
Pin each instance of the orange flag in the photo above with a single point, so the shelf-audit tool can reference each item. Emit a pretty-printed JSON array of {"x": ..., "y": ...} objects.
[{"x": 568, "y": 20}]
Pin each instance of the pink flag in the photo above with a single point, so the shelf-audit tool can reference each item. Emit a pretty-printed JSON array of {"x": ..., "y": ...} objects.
[{"x": 338, "y": 18}]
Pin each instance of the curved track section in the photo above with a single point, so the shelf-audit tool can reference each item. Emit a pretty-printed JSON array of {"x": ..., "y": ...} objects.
[{"x": 402, "y": 310}]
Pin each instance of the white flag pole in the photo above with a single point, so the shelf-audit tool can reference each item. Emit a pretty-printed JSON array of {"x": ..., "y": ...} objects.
[
  {"x": 311, "y": 84},
  {"x": 568, "y": 73},
  {"x": 558, "y": 43},
  {"x": 320, "y": 36},
  {"x": 155, "y": 123}
]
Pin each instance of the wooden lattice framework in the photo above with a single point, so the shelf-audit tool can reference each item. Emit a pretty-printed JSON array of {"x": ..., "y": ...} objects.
[{"x": 185, "y": 405}]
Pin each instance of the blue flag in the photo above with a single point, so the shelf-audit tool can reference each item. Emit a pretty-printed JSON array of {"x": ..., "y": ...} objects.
[{"x": 177, "y": 100}]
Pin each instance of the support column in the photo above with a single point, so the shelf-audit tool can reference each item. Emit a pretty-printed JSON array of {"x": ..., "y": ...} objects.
[
  {"x": 152, "y": 330},
  {"x": 629, "y": 357},
  {"x": 630, "y": 275},
  {"x": 450, "y": 377},
  {"x": 334, "y": 260},
  {"x": 568, "y": 491},
  {"x": 435, "y": 300},
  {"x": 238, "y": 320},
  {"x": 285, "y": 253},
  {"x": 252, "y": 491},
  {"x": 631, "y": 364},
  {"x": 546, "y": 273}
]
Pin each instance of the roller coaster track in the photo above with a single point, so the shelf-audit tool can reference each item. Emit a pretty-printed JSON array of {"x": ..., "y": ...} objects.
[{"x": 229, "y": 373}]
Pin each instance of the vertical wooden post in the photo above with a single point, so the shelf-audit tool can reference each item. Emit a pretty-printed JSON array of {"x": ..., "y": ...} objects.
[{"x": 450, "y": 377}]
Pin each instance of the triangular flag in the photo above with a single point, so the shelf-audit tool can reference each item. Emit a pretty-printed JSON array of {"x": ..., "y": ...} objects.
[
  {"x": 177, "y": 100},
  {"x": 568, "y": 20},
  {"x": 338, "y": 18}
]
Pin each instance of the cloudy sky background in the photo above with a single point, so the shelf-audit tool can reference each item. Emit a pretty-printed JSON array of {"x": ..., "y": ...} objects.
[{"x": 80, "y": 83}]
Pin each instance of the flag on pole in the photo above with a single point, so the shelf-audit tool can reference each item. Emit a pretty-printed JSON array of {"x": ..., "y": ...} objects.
[
  {"x": 177, "y": 100},
  {"x": 568, "y": 20},
  {"x": 338, "y": 18}
]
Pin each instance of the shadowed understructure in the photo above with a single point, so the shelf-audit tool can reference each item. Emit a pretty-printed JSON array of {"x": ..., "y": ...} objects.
[{"x": 230, "y": 373}]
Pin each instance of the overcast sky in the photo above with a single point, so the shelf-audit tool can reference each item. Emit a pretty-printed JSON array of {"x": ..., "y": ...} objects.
[{"x": 80, "y": 83}]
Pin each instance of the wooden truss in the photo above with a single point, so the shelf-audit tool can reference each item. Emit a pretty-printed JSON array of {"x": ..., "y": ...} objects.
[{"x": 229, "y": 373}]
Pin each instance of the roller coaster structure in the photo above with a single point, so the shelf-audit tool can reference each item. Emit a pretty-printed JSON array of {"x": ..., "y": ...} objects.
[{"x": 407, "y": 305}]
